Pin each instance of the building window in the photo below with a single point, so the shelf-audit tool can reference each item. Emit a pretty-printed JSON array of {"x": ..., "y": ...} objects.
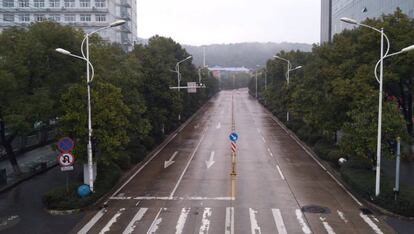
[
  {"x": 100, "y": 18},
  {"x": 24, "y": 17},
  {"x": 8, "y": 17},
  {"x": 39, "y": 17},
  {"x": 70, "y": 3},
  {"x": 39, "y": 3},
  {"x": 54, "y": 17},
  {"x": 54, "y": 3},
  {"x": 85, "y": 17},
  {"x": 23, "y": 3},
  {"x": 85, "y": 3},
  {"x": 100, "y": 3},
  {"x": 8, "y": 3},
  {"x": 70, "y": 18}
]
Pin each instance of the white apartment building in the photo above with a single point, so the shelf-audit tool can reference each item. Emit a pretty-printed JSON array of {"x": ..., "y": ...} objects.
[{"x": 86, "y": 14}]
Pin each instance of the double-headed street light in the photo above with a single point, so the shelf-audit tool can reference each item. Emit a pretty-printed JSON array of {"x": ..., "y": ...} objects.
[
  {"x": 89, "y": 80},
  {"x": 289, "y": 69},
  {"x": 380, "y": 81}
]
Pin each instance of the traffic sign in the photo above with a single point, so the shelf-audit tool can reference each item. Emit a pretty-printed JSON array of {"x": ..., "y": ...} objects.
[
  {"x": 66, "y": 159},
  {"x": 191, "y": 87},
  {"x": 65, "y": 144},
  {"x": 233, "y": 136},
  {"x": 68, "y": 168}
]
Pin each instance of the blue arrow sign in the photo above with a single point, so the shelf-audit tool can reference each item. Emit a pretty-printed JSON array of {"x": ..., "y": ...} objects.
[{"x": 233, "y": 136}]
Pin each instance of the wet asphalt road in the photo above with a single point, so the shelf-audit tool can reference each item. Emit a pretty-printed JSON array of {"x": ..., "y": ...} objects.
[{"x": 185, "y": 188}]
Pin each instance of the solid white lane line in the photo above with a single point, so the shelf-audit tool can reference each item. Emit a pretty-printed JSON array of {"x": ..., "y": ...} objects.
[
  {"x": 342, "y": 216},
  {"x": 301, "y": 220},
  {"x": 171, "y": 160},
  {"x": 229, "y": 228},
  {"x": 326, "y": 225},
  {"x": 280, "y": 225},
  {"x": 92, "y": 222},
  {"x": 181, "y": 220},
  {"x": 155, "y": 223},
  {"x": 113, "y": 220},
  {"x": 175, "y": 198},
  {"x": 253, "y": 222},
  {"x": 374, "y": 227},
  {"x": 188, "y": 164},
  {"x": 205, "y": 222},
  {"x": 138, "y": 216},
  {"x": 280, "y": 172},
  {"x": 211, "y": 161}
]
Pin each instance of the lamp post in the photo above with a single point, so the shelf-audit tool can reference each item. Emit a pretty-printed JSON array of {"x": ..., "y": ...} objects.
[
  {"x": 89, "y": 80},
  {"x": 380, "y": 81},
  {"x": 289, "y": 69},
  {"x": 177, "y": 70}
]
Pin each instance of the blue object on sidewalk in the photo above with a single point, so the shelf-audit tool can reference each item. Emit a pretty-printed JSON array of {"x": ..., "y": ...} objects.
[{"x": 84, "y": 190}]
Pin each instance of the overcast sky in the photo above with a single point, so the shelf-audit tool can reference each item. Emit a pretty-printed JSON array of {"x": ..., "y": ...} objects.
[{"x": 197, "y": 22}]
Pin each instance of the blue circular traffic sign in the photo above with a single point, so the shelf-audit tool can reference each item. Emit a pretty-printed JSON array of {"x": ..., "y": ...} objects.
[
  {"x": 233, "y": 136},
  {"x": 65, "y": 144}
]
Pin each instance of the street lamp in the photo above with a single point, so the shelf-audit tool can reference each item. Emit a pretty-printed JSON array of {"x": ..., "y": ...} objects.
[
  {"x": 177, "y": 70},
  {"x": 380, "y": 81},
  {"x": 289, "y": 69},
  {"x": 89, "y": 80}
]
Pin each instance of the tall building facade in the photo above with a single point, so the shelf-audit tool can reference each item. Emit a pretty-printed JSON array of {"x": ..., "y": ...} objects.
[
  {"x": 358, "y": 10},
  {"x": 86, "y": 14}
]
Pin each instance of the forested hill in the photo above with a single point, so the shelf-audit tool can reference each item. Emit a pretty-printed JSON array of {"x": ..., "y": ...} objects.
[{"x": 241, "y": 54}]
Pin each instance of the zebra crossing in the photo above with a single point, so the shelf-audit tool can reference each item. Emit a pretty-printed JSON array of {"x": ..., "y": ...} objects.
[{"x": 227, "y": 220}]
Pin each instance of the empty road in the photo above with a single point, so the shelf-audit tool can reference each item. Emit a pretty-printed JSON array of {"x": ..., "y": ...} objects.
[{"x": 186, "y": 186}]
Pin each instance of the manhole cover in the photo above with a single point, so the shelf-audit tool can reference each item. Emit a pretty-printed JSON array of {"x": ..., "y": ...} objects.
[
  {"x": 366, "y": 211},
  {"x": 315, "y": 209}
]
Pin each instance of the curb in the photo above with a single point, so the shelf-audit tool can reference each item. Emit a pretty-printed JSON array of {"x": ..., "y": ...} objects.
[{"x": 63, "y": 212}]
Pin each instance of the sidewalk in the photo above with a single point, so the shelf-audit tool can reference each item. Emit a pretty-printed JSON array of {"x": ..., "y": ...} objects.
[{"x": 31, "y": 163}]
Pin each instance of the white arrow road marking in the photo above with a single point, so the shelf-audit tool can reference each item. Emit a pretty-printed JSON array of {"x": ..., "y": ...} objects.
[
  {"x": 280, "y": 225},
  {"x": 253, "y": 222},
  {"x": 155, "y": 223},
  {"x": 113, "y": 220},
  {"x": 181, "y": 220},
  {"x": 92, "y": 222},
  {"x": 205, "y": 222},
  {"x": 371, "y": 223},
  {"x": 229, "y": 229},
  {"x": 218, "y": 125},
  {"x": 299, "y": 216},
  {"x": 138, "y": 216},
  {"x": 210, "y": 162},
  {"x": 170, "y": 161},
  {"x": 326, "y": 225}
]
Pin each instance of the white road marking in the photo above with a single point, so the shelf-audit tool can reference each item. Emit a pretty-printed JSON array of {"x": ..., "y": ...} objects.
[
  {"x": 326, "y": 225},
  {"x": 299, "y": 217},
  {"x": 229, "y": 228},
  {"x": 156, "y": 222},
  {"x": 280, "y": 172},
  {"x": 343, "y": 187},
  {"x": 113, "y": 220},
  {"x": 171, "y": 160},
  {"x": 376, "y": 220},
  {"x": 205, "y": 222},
  {"x": 181, "y": 220},
  {"x": 280, "y": 225},
  {"x": 92, "y": 222},
  {"x": 188, "y": 164},
  {"x": 138, "y": 216},
  {"x": 258, "y": 130},
  {"x": 175, "y": 198},
  {"x": 374, "y": 227},
  {"x": 342, "y": 216},
  {"x": 210, "y": 162},
  {"x": 263, "y": 139},
  {"x": 218, "y": 125},
  {"x": 253, "y": 222}
]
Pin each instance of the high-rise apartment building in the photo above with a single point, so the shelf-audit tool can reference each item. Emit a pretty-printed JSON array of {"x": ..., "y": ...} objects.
[
  {"x": 86, "y": 14},
  {"x": 333, "y": 10}
]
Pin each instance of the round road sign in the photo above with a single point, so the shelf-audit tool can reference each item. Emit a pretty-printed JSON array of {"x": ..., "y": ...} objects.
[
  {"x": 65, "y": 144},
  {"x": 233, "y": 136},
  {"x": 66, "y": 159}
]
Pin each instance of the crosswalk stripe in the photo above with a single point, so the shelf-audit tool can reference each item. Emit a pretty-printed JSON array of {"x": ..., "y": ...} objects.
[
  {"x": 92, "y": 222},
  {"x": 181, "y": 220},
  {"x": 299, "y": 216},
  {"x": 138, "y": 216},
  {"x": 229, "y": 229},
  {"x": 374, "y": 227},
  {"x": 253, "y": 222},
  {"x": 326, "y": 225},
  {"x": 111, "y": 221},
  {"x": 155, "y": 223},
  {"x": 205, "y": 222},
  {"x": 280, "y": 225}
]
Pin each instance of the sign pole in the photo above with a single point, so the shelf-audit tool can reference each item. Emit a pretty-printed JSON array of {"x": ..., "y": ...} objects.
[{"x": 233, "y": 154}]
